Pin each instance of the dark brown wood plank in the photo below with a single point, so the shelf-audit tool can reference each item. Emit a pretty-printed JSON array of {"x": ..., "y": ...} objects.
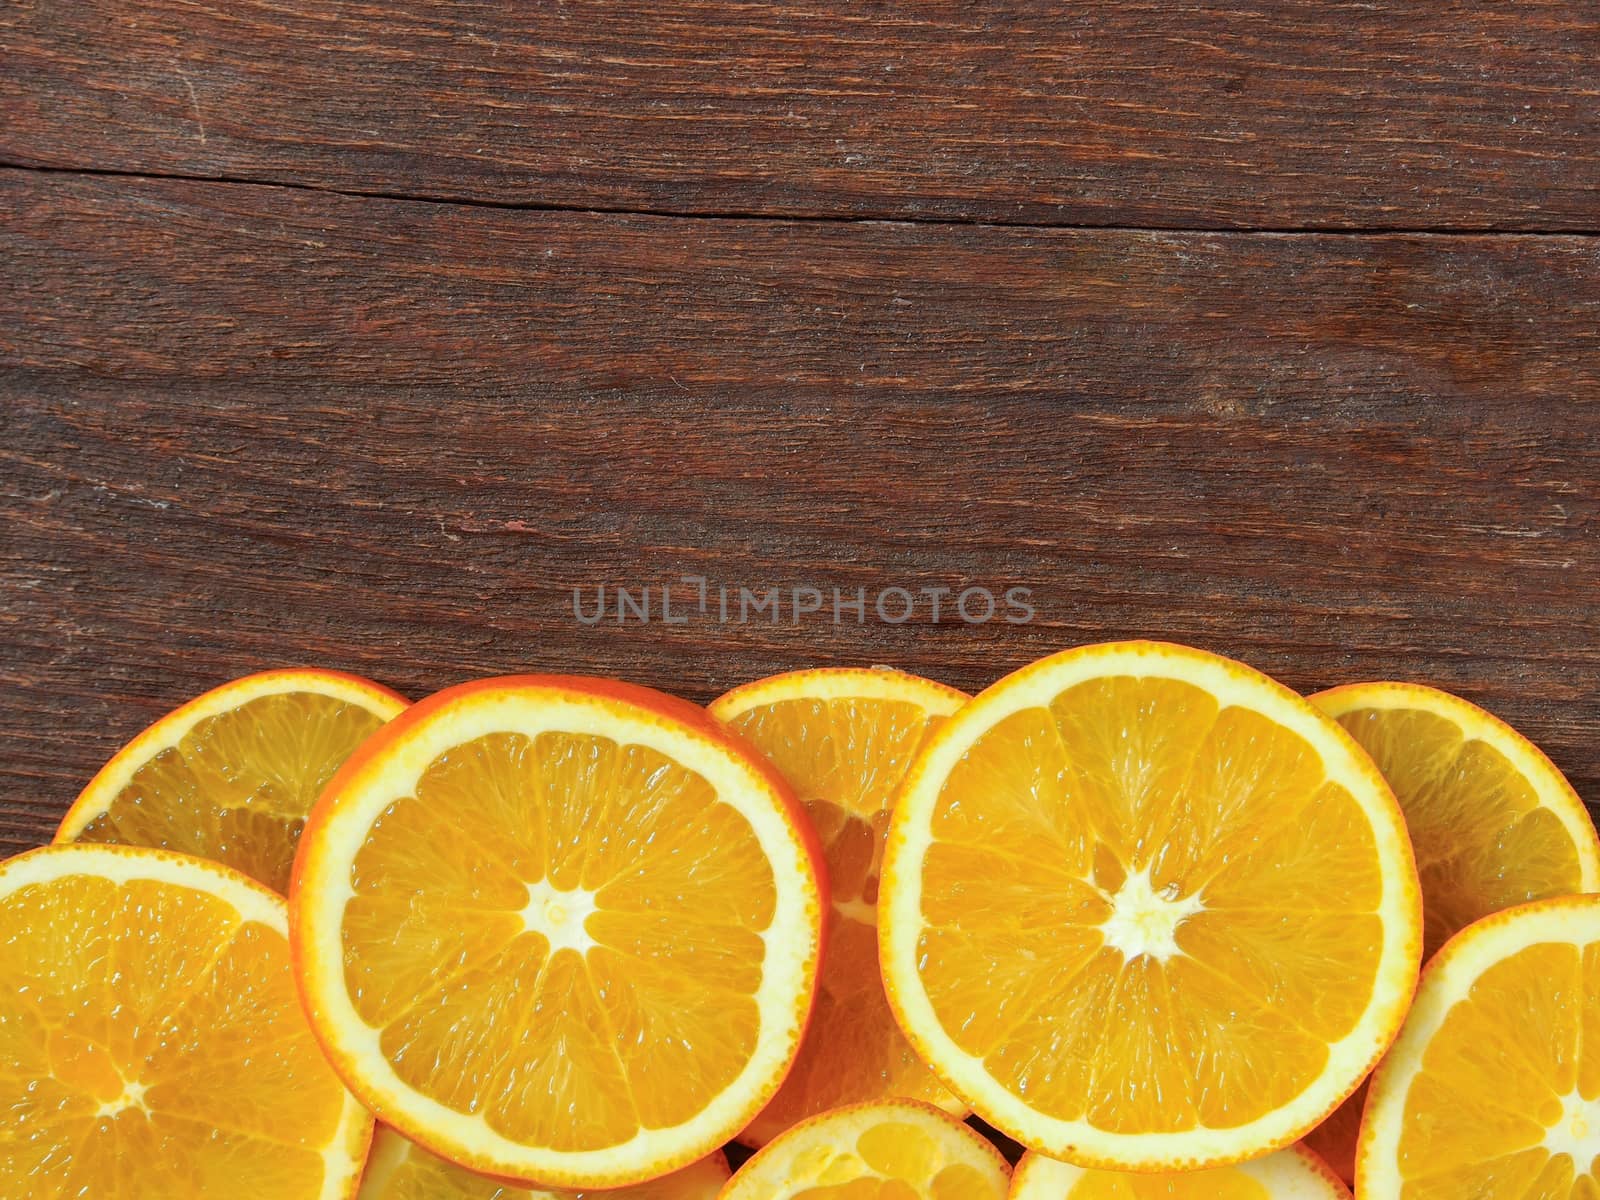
[
  {"x": 1377, "y": 113},
  {"x": 244, "y": 426}
]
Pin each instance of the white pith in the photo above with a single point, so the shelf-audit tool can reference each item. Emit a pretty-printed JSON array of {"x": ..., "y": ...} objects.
[
  {"x": 1577, "y": 1133},
  {"x": 132, "y": 1097},
  {"x": 559, "y": 915},
  {"x": 1144, "y": 922}
]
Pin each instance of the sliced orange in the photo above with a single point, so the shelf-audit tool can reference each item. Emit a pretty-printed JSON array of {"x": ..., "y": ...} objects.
[
  {"x": 843, "y": 739},
  {"x": 1494, "y": 824},
  {"x": 558, "y": 929},
  {"x": 1493, "y": 1087},
  {"x": 151, "y": 1043},
  {"x": 402, "y": 1170},
  {"x": 882, "y": 1150},
  {"x": 231, "y": 775},
  {"x": 1145, "y": 909},
  {"x": 1292, "y": 1174}
]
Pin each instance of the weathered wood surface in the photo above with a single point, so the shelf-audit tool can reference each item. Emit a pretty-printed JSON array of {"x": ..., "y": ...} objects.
[
  {"x": 1274, "y": 113},
  {"x": 243, "y": 426}
]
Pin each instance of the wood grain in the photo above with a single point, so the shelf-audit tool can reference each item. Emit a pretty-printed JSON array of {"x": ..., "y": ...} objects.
[
  {"x": 245, "y": 426},
  {"x": 1274, "y": 113}
]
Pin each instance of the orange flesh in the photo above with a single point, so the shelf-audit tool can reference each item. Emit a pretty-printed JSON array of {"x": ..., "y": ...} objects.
[
  {"x": 1483, "y": 840},
  {"x": 845, "y": 758},
  {"x": 1209, "y": 831},
  {"x": 1222, "y": 1184},
  {"x": 895, "y": 1160},
  {"x": 236, "y": 788},
  {"x": 645, "y": 1008},
  {"x": 1503, "y": 1073},
  {"x": 424, "y": 1176},
  {"x": 158, "y": 1046}
]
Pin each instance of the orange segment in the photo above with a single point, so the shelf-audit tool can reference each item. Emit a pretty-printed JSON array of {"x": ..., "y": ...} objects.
[
  {"x": 1490, "y": 1088},
  {"x": 884, "y": 1150},
  {"x": 151, "y": 1042},
  {"x": 1292, "y": 1174},
  {"x": 843, "y": 739},
  {"x": 558, "y": 929},
  {"x": 402, "y": 1170},
  {"x": 1493, "y": 822},
  {"x": 1143, "y": 907},
  {"x": 230, "y": 775}
]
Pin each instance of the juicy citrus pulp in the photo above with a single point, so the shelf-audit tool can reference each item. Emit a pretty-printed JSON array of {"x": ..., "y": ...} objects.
[
  {"x": 843, "y": 740},
  {"x": 558, "y": 929},
  {"x": 1292, "y": 1174},
  {"x": 885, "y": 1150},
  {"x": 231, "y": 775},
  {"x": 151, "y": 1043},
  {"x": 402, "y": 1170},
  {"x": 1493, "y": 1087},
  {"x": 1493, "y": 822},
  {"x": 1144, "y": 908}
]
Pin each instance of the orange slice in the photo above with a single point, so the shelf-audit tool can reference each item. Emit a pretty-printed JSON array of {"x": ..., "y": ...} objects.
[
  {"x": 402, "y": 1170},
  {"x": 563, "y": 930},
  {"x": 884, "y": 1150},
  {"x": 1493, "y": 1087},
  {"x": 1145, "y": 909},
  {"x": 1493, "y": 822},
  {"x": 231, "y": 775},
  {"x": 151, "y": 1043},
  {"x": 843, "y": 739},
  {"x": 1292, "y": 1174}
]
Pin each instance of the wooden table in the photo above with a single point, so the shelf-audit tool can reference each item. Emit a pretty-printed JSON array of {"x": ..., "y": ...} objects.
[{"x": 363, "y": 335}]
